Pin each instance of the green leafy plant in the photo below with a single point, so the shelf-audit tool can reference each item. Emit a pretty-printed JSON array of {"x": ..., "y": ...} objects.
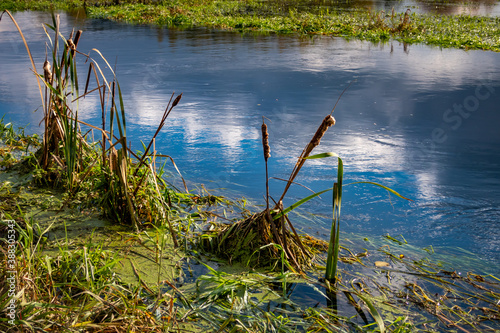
[
  {"x": 334, "y": 244},
  {"x": 126, "y": 185}
]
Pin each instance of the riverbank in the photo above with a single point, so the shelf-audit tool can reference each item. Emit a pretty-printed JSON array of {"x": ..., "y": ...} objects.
[
  {"x": 454, "y": 31},
  {"x": 95, "y": 237},
  {"x": 75, "y": 270}
]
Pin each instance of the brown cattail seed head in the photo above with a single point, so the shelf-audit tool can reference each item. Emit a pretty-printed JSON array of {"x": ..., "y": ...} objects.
[
  {"x": 72, "y": 47},
  {"x": 176, "y": 100},
  {"x": 77, "y": 36},
  {"x": 328, "y": 122},
  {"x": 265, "y": 142},
  {"x": 47, "y": 72}
]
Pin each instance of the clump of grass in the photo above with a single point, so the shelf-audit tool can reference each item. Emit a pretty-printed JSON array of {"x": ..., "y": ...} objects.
[
  {"x": 71, "y": 288},
  {"x": 126, "y": 185},
  {"x": 258, "y": 232},
  {"x": 20, "y": 5},
  {"x": 270, "y": 233}
]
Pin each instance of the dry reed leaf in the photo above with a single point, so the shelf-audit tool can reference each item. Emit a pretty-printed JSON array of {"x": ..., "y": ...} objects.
[{"x": 71, "y": 45}]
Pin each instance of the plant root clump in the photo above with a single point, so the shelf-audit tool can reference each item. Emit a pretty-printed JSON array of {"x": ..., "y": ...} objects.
[{"x": 260, "y": 241}]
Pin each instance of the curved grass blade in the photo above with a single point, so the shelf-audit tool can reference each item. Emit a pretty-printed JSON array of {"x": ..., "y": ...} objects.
[
  {"x": 321, "y": 155},
  {"x": 384, "y": 187},
  {"x": 374, "y": 313},
  {"x": 300, "y": 202},
  {"x": 177, "y": 169},
  {"x": 334, "y": 244}
]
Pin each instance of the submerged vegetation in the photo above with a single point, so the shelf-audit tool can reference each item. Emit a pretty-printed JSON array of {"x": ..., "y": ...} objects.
[
  {"x": 104, "y": 241},
  {"x": 456, "y": 31}
]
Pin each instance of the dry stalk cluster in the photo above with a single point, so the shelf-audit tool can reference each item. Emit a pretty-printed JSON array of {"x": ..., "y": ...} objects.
[
  {"x": 125, "y": 185},
  {"x": 269, "y": 237}
]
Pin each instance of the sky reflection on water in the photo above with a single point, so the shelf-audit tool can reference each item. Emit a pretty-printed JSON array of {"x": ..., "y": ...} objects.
[{"x": 393, "y": 124}]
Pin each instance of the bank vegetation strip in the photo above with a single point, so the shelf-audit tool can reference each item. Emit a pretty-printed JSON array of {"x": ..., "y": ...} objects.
[{"x": 455, "y": 31}]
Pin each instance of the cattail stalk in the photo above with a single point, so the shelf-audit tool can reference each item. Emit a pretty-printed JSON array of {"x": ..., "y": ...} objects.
[
  {"x": 47, "y": 72},
  {"x": 328, "y": 122},
  {"x": 267, "y": 154},
  {"x": 168, "y": 109}
]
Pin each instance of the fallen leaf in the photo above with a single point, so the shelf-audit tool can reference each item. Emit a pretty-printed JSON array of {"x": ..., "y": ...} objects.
[{"x": 381, "y": 264}]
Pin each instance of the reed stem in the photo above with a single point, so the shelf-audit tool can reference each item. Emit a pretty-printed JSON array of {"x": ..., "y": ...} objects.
[{"x": 327, "y": 122}]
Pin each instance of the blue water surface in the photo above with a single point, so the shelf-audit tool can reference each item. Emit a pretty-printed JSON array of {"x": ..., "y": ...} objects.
[{"x": 421, "y": 120}]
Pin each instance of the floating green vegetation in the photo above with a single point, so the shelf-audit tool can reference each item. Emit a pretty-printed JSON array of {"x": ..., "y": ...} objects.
[
  {"x": 114, "y": 279},
  {"x": 19, "y": 5},
  {"x": 456, "y": 31},
  {"x": 462, "y": 31},
  {"x": 14, "y": 143}
]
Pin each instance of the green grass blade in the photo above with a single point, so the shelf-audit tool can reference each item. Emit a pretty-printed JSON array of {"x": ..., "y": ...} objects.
[
  {"x": 340, "y": 177},
  {"x": 322, "y": 155},
  {"x": 334, "y": 245},
  {"x": 374, "y": 313},
  {"x": 384, "y": 187},
  {"x": 300, "y": 202},
  {"x": 333, "y": 248}
]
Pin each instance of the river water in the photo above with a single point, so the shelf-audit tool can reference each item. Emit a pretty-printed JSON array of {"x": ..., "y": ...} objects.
[{"x": 421, "y": 120}]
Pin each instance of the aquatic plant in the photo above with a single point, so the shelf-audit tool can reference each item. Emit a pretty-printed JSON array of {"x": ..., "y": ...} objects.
[
  {"x": 458, "y": 31},
  {"x": 69, "y": 287},
  {"x": 128, "y": 189},
  {"x": 253, "y": 16},
  {"x": 239, "y": 241}
]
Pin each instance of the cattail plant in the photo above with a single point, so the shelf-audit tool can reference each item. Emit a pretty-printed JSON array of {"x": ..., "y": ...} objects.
[
  {"x": 66, "y": 156},
  {"x": 267, "y": 154},
  {"x": 327, "y": 122},
  {"x": 269, "y": 227}
]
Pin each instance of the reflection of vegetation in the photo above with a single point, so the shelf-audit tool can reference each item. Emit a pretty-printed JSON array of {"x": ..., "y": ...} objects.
[{"x": 459, "y": 31}]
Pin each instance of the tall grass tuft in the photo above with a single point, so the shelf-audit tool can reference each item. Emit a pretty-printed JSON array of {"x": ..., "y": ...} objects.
[
  {"x": 331, "y": 272},
  {"x": 270, "y": 233},
  {"x": 126, "y": 186}
]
